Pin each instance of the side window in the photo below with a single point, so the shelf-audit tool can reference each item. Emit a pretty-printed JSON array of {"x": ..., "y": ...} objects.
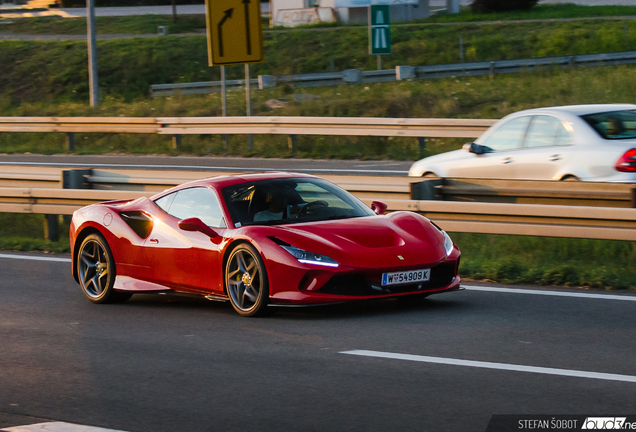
[
  {"x": 546, "y": 131},
  {"x": 165, "y": 202},
  {"x": 196, "y": 202},
  {"x": 508, "y": 136}
]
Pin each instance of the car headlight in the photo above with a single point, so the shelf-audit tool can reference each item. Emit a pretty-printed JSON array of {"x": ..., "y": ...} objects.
[
  {"x": 309, "y": 257},
  {"x": 448, "y": 243}
]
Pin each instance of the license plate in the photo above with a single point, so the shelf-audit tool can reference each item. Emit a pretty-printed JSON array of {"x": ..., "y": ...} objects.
[{"x": 405, "y": 277}]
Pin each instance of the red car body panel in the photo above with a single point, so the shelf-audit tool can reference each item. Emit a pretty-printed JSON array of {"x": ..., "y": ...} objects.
[{"x": 169, "y": 258}]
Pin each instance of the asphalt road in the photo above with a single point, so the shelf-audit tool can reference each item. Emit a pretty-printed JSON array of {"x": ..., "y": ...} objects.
[
  {"x": 180, "y": 364},
  {"x": 209, "y": 163}
]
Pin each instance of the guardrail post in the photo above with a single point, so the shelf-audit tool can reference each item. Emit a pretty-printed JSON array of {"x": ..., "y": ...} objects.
[
  {"x": 70, "y": 141},
  {"x": 266, "y": 81},
  {"x": 492, "y": 69},
  {"x": 76, "y": 179},
  {"x": 73, "y": 179},
  {"x": 292, "y": 140},
  {"x": 426, "y": 190},
  {"x": 405, "y": 72},
  {"x": 572, "y": 62},
  {"x": 352, "y": 76},
  {"x": 176, "y": 141},
  {"x": 51, "y": 228},
  {"x": 422, "y": 143}
]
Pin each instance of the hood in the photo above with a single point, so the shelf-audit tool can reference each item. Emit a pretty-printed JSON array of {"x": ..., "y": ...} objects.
[
  {"x": 431, "y": 163},
  {"x": 373, "y": 241}
]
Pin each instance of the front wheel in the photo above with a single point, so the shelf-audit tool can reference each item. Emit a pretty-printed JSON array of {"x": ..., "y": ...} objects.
[
  {"x": 96, "y": 271},
  {"x": 246, "y": 281}
]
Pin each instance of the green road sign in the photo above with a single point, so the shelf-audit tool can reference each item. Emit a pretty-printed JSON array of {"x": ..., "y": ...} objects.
[{"x": 379, "y": 30}]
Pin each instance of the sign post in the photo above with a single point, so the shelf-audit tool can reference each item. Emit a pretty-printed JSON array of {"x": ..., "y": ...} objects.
[
  {"x": 379, "y": 31},
  {"x": 235, "y": 36},
  {"x": 92, "y": 54}
]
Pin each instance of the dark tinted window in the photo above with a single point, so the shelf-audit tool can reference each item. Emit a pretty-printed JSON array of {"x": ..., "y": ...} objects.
[
  {"x": 613, "y": 125},
  {"x": 194, "y": 202},
  {"x": 283, "y": 201}
]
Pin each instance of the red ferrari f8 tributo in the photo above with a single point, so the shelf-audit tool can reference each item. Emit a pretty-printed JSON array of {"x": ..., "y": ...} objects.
[{"x": 259, "y": 240}]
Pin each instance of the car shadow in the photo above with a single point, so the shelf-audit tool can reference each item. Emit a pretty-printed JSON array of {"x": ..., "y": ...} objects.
[{"x": 355, "y": 309}]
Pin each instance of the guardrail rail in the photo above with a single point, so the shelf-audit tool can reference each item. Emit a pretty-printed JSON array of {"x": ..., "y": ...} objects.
[{"x": 358, "y": 76}]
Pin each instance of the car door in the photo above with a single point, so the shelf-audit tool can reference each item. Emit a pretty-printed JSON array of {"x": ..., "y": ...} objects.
[
  {"x": 185, "y": 259},
  {"x": 547, "y": 145},
  {"x": 502, "y": 147}
]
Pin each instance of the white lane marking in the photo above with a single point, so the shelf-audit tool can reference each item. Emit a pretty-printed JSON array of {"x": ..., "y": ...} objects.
[
  {"x": 624, "y": 297},
  {"x": 198, "y": 167},
  {"x": 489, "y": 365},
  {"x": 57, "y": 427},
  {"x": 35, "y": 258}
]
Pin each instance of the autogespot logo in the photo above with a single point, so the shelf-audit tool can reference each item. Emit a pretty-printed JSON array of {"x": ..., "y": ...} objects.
[{"x": 605, "y": 423}]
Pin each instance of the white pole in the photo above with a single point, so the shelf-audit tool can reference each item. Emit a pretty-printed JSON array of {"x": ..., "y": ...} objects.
[{"x": 92, "y": 54}]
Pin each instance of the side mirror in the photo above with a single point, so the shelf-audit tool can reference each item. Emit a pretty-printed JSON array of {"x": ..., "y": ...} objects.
[
  {"x": 378, "y": 207},
  {"x": 474, "y": 148},
  {"x": 196, "y": 224}
]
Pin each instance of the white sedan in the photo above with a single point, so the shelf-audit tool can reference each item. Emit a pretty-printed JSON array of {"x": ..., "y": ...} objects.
[{"x": 577, "y": 142}]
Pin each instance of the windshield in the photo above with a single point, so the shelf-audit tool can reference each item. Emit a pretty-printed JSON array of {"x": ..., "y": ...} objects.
[
  {"x": 285, "y": 201},
  {"x": 613, "y": 125}
]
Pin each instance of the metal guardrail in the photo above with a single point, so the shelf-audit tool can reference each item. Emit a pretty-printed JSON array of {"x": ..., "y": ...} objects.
[
  {"x": 39, "y": 178},
  {"x": 347, "y": 126},
  {"x": 358, "y": 76},
  {"x": 514, "y": 66},
  {"x": 514, "y": 219},
  {"x": 595, "y": 194}
]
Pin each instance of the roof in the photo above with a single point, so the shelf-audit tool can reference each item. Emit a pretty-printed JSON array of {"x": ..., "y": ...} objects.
[
  {"x": 222, "y": 181},
  {"x": 580, "y": 110}
]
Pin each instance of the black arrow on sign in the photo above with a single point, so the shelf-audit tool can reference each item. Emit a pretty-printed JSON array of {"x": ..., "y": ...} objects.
[
  {"x": 247, "y": 26},
  {"x": 228, "y": 14}
]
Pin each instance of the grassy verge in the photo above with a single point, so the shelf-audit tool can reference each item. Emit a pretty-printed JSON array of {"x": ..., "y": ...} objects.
[
  {"x": 478, "y": 97},
  {"x": 142, "y": 24},
  {"x": 548, "y": 261},
  {"x": 56, "y": 72},
  {"x": 25, "y": 232}
]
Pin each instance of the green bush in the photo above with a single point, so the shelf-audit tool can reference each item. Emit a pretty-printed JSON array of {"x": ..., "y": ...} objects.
[{"x": 486, "y": 6}]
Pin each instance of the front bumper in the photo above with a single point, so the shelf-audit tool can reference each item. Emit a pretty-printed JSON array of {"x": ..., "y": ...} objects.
[{"x": 349, "y": 284}]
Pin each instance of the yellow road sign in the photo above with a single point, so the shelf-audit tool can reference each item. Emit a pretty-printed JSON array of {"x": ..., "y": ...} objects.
[{"x": 235, "y": 31}]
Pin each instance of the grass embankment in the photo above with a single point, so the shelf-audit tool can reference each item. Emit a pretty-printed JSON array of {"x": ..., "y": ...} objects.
[
  {"x": 50, "y": 78},
  {"x": 548, "y": 261},
  {"x": 25, "y": 232}
]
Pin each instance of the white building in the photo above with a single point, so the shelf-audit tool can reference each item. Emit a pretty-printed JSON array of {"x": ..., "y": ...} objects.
[{"x": 356, "y": 11}]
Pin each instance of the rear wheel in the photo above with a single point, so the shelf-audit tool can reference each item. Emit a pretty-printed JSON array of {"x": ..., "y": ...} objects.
[
  {"x": 430, "y": 175},
  {"x": 96, "y": 271},
  {"x": 246, "y": 281}
]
